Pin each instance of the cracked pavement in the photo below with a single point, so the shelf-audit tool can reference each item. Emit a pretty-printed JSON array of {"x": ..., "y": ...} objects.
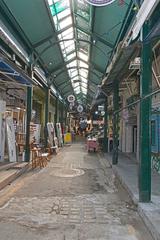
[{"x": 76, "y": 197}]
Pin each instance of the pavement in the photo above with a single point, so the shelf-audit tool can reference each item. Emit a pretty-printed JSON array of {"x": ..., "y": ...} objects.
[
  {"x": 127, "y": 172},
  {"x": 76, "y": 197}
]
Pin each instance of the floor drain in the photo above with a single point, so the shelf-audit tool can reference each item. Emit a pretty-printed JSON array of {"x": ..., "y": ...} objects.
[{"x": 67, "y": 172}]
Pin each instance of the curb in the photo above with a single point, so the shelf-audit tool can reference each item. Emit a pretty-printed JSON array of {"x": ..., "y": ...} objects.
[
  {"x": 149, "y": 224},
  {"x": 13, "y": 177}
]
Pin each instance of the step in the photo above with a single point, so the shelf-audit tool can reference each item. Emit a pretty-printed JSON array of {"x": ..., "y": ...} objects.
[
  {"x": 7, "y": 165},
  {"x": 7, "y": 176}
]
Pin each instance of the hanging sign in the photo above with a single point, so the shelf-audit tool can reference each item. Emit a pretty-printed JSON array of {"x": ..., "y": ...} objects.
[
  {"x": 80, "y": 108},
  {"x": 100, "y": 2},
  {"x": 71, "y": 105},
  {"x": 71, "y": 98}
]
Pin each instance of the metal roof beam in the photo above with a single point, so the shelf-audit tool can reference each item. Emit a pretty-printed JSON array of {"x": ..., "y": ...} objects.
[
  {"x": 102, "y": 40},
  {"x": 62, "y": 65},
  {"x": 65, "y": 40},
  {"x": 41, "y": 42},
  {"x": 93, "y": 64}
]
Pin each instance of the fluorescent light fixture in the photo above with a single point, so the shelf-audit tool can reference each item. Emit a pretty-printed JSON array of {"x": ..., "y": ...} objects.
[
  {"x": 12, "y": 40},
  {"x": 40, "y": 73},
  {"x": 53, "y": 90},
  {"x": 37, "y": 82}
]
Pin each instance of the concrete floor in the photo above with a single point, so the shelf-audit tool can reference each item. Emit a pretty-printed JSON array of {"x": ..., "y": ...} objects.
[{"x": 75, "y": 197}]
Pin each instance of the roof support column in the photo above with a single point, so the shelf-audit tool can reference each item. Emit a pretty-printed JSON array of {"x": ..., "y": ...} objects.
[
  {"x": 29, "y": 113},
  {"x": 145, "y": 111},
  {"x": 105, "y": 140},
  {"x": 47, "y": 101},
  {"x": 115, "y": 122}
]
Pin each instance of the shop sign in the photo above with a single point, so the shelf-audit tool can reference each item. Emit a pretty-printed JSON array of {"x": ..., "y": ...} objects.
[
  {"x": 80, "y": 108},
  {"x": 98, "y": 122},
  {"x": 71, "y": 105},
  {"x": 71, "y": 98},
  {"x": 100, "y": 2}
]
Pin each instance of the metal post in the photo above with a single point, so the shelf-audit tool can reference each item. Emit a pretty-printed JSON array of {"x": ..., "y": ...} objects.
[
  {"x": 29, "y": 113},
  {"x": 47, "y": 98},
  {"x": 115, "y": 122},
  {"x": 105, "y": 140},
  {"x": 145, "y": 111}
]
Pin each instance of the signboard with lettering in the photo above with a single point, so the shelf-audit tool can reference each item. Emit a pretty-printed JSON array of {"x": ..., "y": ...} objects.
[{"x": 71, "y": 98}]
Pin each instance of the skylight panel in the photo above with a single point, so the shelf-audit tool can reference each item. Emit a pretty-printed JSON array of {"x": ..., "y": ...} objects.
[
  {"x": 50, "y": 2},
  {"x": 82, "y": 64},
  {"x": 59, "y": 6},
  {"x": 83, "y": 73},
  {"x": 77, "y": 56},
  {"x": 73, "y": 74},
  {"x": 73, "y": 64},
  {"x": 77, "y": 90},
  {"x": 75, "y": 85},
  {"x": 65, "y": 22},
  {"x": 83, "y": 79},
  {"x": 70, "y": 48},
  {"x": 70, "y": 56},
  {"x": 64, "y": 13},
  {"x": 84, "y": 85},
  {"x": 83, "y": 56},
  {"x": 68, "y": 43},
  {"x": 75, "y": 78},
  {"x": 67, "y": 32},
  {"x": 62, "y": 46},
  {"x": 55, "y": 22}
]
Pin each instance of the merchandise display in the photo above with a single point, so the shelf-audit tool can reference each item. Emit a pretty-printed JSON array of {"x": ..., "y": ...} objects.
[
  {"x": 59, "y": 134},
  {"x": 51, "y": 135},
  {"x": 11, "y": 141}
]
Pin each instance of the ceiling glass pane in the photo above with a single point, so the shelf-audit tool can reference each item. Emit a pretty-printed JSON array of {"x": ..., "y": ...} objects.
[
  {"x": 64, "y": 13},
  {"x": 83, "y": 79},
  {"x": 83, "y": 56},
  {"x": 65, "y": 22},
  {"x": 82, "y": 64},
  {"x": 59, "y": 6},
  {"x": 75, "y": 51},
  {"x": 84, "y": 85},
  {"x": 70, "y": 56},
  {"x": 83, "y": 73}
]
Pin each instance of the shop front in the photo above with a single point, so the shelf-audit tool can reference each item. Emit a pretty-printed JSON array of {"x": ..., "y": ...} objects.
[{"x": 13, "y": 83}]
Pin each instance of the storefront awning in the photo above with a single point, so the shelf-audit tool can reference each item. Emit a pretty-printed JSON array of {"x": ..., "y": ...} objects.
[
  {"x": 11, "y": 72},
  {"x": 120, "y": 66}
]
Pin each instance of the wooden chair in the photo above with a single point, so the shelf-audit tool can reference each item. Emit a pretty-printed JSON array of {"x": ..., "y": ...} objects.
[{"x": 39, "y": 158}]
